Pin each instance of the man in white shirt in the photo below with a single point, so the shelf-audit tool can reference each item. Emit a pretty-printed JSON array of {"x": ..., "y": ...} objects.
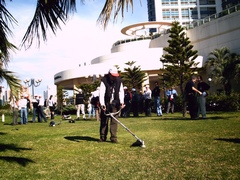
[
  {"x": 111, "y": 100},
  {"x": 22, "y": 104},
  {"x": 41, "y": 114},
  {"x": 148, "y": 98}
]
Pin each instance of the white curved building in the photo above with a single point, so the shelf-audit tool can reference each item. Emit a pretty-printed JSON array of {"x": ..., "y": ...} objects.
[{"x": 209, "y": 34}]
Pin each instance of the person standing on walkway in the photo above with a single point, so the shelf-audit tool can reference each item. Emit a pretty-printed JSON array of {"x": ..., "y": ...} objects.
[
  {"x": 111, "y": 100},
  {"x": 201, "y": 99}
]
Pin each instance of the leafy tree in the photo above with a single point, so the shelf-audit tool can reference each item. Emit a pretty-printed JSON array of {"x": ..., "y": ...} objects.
[
  {"x": 224, "y": 67},
  {"x": 88, "y": 88},
  {"x": 61, "y": 95},
  {"x": 133, "y": 77},
  {"x": 179, "y": 59}
]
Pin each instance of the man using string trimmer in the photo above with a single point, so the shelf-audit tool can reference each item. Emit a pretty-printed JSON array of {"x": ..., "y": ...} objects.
[{"x": 111, "y": 100}]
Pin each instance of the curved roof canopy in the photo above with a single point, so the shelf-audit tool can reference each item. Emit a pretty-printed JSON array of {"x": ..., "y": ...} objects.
[{"x": 134, "y": 28}]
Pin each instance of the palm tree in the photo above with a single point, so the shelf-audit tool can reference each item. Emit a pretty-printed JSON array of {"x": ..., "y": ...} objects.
[
  {"x": 224, "y": 67},
  {"x": 133, "y": 77}
]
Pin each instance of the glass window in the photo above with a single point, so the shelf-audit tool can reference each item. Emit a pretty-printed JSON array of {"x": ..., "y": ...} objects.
[
  {"x": 207, "y": 11},
  {"x": 206, "y": 2}
]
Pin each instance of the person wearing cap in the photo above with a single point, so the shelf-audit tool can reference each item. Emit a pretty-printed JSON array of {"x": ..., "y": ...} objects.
[
  {"x": 147, "y": 99},
  {"x": 22, "y": 104},
  {"x": 135, "y": 102},
  {"x": 80, "y": 106},
  {"x": 111, "y": 99}
]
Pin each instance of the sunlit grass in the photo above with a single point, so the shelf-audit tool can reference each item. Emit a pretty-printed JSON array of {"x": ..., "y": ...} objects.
[{"x": 176, "y": 148}]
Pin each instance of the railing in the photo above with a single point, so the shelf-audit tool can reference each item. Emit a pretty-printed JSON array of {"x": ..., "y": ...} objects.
[
  {"x": 213, "y": 17},
  {"x": 190, "y": 26},
  {"x": 141, "y": 38}
]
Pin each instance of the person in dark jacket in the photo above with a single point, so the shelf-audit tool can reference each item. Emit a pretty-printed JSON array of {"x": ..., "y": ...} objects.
[
  {"x": 201, "y": 99},
  {"x": 80, "y": 106},
  {"x": 127, "y": 101},
  {"x": 190, "y": 93},
  {"x": 135, "y": 102},
  {"x": 157, "y": 100},
  {"x": 111, "y": 100}
]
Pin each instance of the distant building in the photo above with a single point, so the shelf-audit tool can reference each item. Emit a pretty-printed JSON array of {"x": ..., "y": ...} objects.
[{"x": 212, "y": 32}]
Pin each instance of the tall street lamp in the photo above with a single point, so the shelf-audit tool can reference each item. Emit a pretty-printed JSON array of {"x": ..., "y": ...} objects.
[{"x": 33, "y": 83}]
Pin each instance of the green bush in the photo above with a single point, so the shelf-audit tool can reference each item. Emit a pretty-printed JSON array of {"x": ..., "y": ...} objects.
[
  {"x": 222, "y": 102},
  {"x": 6, "y": 110},
  {"x": 214, "y": 102}
]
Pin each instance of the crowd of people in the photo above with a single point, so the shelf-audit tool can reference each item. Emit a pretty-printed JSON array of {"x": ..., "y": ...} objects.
[
  {"x": 41, "y": 109},
  {"x": 112, "y": 100}
]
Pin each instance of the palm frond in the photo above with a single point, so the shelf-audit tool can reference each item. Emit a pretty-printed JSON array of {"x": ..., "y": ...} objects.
[
  {"x": 113, "y": 7},
  {"x": 12, "y": 81},
  {"x": 48, "y": 14},
  {"x": 6, "y": 19}
]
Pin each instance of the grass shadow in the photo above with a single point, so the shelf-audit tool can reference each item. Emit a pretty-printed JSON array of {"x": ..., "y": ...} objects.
[
  {"x": 19, "y": 160},
  {"x": 188, "y": 118},
  {"x": 170, "y": 118},
  {"x": 22, "y": 161},
  {"x": 80, "y": 138},
  {"x": 232, "y": 140},
  {"x": 4, "y": 147},
  {"x": 1, "y": 133}
]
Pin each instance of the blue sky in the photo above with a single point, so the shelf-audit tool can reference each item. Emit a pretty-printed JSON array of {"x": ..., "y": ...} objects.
[{"x": 80, "y": 40}]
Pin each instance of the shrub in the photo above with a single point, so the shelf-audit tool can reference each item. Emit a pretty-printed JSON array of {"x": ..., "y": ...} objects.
[{"x": 222, "y": 102}]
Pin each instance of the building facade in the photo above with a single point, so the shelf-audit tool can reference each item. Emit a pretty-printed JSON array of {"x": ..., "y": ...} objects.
[{"x": 210, "y": 33}]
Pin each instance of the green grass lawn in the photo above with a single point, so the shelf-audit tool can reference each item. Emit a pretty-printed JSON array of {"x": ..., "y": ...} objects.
[{"x": 176, "y": 148}]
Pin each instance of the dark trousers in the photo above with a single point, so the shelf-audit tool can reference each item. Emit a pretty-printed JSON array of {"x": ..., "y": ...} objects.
[
  {"x": 193, "y": 106},
  {"x": 148, "y": 107},
  {"x": 104, "y": 126},
  {"x": 135, "y": 109},
  {"x": 41, "y": 114}
]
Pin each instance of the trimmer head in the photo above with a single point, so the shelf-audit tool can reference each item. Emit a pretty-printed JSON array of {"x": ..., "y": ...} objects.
[{"x": 138, "y": 143}]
